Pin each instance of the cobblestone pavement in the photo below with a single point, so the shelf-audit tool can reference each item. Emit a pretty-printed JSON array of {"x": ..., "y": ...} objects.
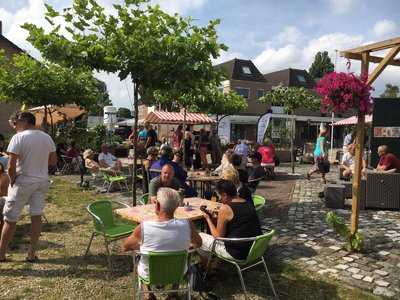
[{"x": 305, "y": 240}]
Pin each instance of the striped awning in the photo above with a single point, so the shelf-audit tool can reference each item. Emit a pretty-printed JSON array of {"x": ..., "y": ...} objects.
[
  {"x": 164, "y": 117},
  {"x": 352, "y": 121}
]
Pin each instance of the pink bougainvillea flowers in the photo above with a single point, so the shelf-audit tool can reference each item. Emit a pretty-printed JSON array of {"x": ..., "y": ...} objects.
[{"x": 341, "y": 92}]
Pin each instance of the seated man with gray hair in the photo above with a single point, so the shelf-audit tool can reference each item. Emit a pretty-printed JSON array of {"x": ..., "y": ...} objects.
[
  {"x": 164, "y": 232},
  {"x": 388, "y": 162}
]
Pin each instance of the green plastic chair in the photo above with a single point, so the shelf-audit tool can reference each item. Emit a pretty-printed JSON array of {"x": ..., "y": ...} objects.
[
  {"x": 165, "y": 268},
  {"x": 110, "y": 179},
  {"x": 144, "y": 199},
  {"x": 259, "y": 202},
  {"x": 105, "y": 225},
  {"x": 254, "y": 258}
]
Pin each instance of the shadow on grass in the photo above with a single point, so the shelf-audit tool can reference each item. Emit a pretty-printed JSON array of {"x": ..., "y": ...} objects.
[{"x": 93, "y": 267}]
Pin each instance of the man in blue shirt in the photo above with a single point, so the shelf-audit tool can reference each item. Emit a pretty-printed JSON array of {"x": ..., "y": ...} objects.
[{"x": 242, "y": 149}]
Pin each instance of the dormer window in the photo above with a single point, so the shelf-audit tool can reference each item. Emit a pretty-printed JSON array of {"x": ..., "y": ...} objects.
[
  {"x": 246, "y": 70},
  {"x": 301, "y": 78}
]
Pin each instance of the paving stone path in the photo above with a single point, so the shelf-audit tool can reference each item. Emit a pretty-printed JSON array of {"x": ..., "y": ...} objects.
[{"x": 305, "y": 239}]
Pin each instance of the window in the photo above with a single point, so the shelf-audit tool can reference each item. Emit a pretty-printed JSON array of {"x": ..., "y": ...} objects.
[
  {"x": 244, "y": 92},
  {"x": 301, "y": 78},
  {"x": 246, "y": 70},
  {"x": 260, "y": 93}
]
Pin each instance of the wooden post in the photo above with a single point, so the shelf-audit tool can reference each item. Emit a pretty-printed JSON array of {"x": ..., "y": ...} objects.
[
  {"x": 359, "y": 156},
  {"x": 292, "y": 136},
  {"x": 135, "y": 127}
]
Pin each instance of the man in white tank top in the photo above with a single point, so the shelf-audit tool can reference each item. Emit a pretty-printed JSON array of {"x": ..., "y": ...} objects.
[{"x": 164, "y": 233}]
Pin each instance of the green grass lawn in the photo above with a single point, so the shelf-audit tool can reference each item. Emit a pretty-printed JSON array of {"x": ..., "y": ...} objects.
[{"x": 63, "y": 273}]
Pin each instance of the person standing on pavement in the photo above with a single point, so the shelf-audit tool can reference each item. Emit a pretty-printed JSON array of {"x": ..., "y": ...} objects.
[
  {"x": 204, "y": 141},
  {"x": 151, "y": 136},
  {"x": 242, "y": 149},
  {"x": 31, "y": 152},
  {"x": 320, "y": 155},
  {"x": 216, "y": 150}
]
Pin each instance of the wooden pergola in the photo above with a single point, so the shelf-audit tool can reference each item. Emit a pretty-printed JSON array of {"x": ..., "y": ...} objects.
[{"x": 364, "y": 54}]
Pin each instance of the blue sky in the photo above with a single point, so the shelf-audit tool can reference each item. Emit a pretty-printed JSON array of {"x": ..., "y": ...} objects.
[{"x": 274, "y": 34}]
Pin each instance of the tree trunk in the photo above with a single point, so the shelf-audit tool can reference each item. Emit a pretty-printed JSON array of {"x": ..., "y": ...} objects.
[
  {"x": 184, "y": 139},
  {"x": 52, "y": 125},
  {"x": 135, "y": 127},
  {"x": 45, "y": 119},
  {"x": 292, "y": 135}
]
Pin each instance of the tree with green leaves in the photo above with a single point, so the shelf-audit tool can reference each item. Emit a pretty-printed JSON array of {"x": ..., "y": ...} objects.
[
  {"x": 217, "y": 102},
  {"x": 157, "y": 51},
  {"x": 124, "y": 112},
  {"x": 33, "y": 83},
  {"x": 322, "y": 65},
  {"x": 391, "y": 91},
  {"x": 292, "y": 98},
  {"x": 97, "y": 108}
]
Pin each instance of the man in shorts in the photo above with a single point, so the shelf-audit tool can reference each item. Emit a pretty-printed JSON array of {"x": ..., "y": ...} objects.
[{"x": 31, "y": 152}]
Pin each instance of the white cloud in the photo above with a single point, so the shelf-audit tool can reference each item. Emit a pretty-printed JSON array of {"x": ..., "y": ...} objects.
[
  {"x": 301, "y": 56},
  {"x": 272, "y": 59},
  {"x": 180, "y": 6},
  {"x": 290, "y": 35},
  {"x": 343, "y": 6},
  {"x": 225, "y": 56},
  {"x": 384, "y": 28}
]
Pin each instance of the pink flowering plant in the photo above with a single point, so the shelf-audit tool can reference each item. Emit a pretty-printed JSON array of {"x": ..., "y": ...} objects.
[{"x": 342, "y": 91}]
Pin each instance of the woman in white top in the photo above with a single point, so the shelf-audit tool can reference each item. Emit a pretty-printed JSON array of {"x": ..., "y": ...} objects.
[
  {"x": 163, "y": 233},
  {"x": 225, "y": 162}
]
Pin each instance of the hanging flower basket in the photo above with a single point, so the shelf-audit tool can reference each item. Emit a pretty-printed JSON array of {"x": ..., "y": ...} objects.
[{"x": 342, "y": 91}]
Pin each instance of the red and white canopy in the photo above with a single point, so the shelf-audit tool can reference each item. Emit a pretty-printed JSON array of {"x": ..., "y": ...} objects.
[
  {"x": 352, "y": 121},
  {"x": 164, "y": 117}
]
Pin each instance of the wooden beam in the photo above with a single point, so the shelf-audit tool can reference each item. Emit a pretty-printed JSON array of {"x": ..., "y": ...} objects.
[
  {"x": 376, "y": 46},
  {"x": 355, "y": 203},
  {"x": 382, "y": 65},
  {"x": 373, "y": 59}
]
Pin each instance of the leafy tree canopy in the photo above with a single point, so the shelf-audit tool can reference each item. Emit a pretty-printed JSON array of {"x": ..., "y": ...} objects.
[
  {"x": 322, "y": 65},
  {"x": 209, "y": 99},
  {"x": 124, "y": 112},
  {"x": 391, "y": 91},
  {"x": 291, "y": 98},
  {"x": 159, "y": 51},
  {"x": 34, "y": 83}
]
